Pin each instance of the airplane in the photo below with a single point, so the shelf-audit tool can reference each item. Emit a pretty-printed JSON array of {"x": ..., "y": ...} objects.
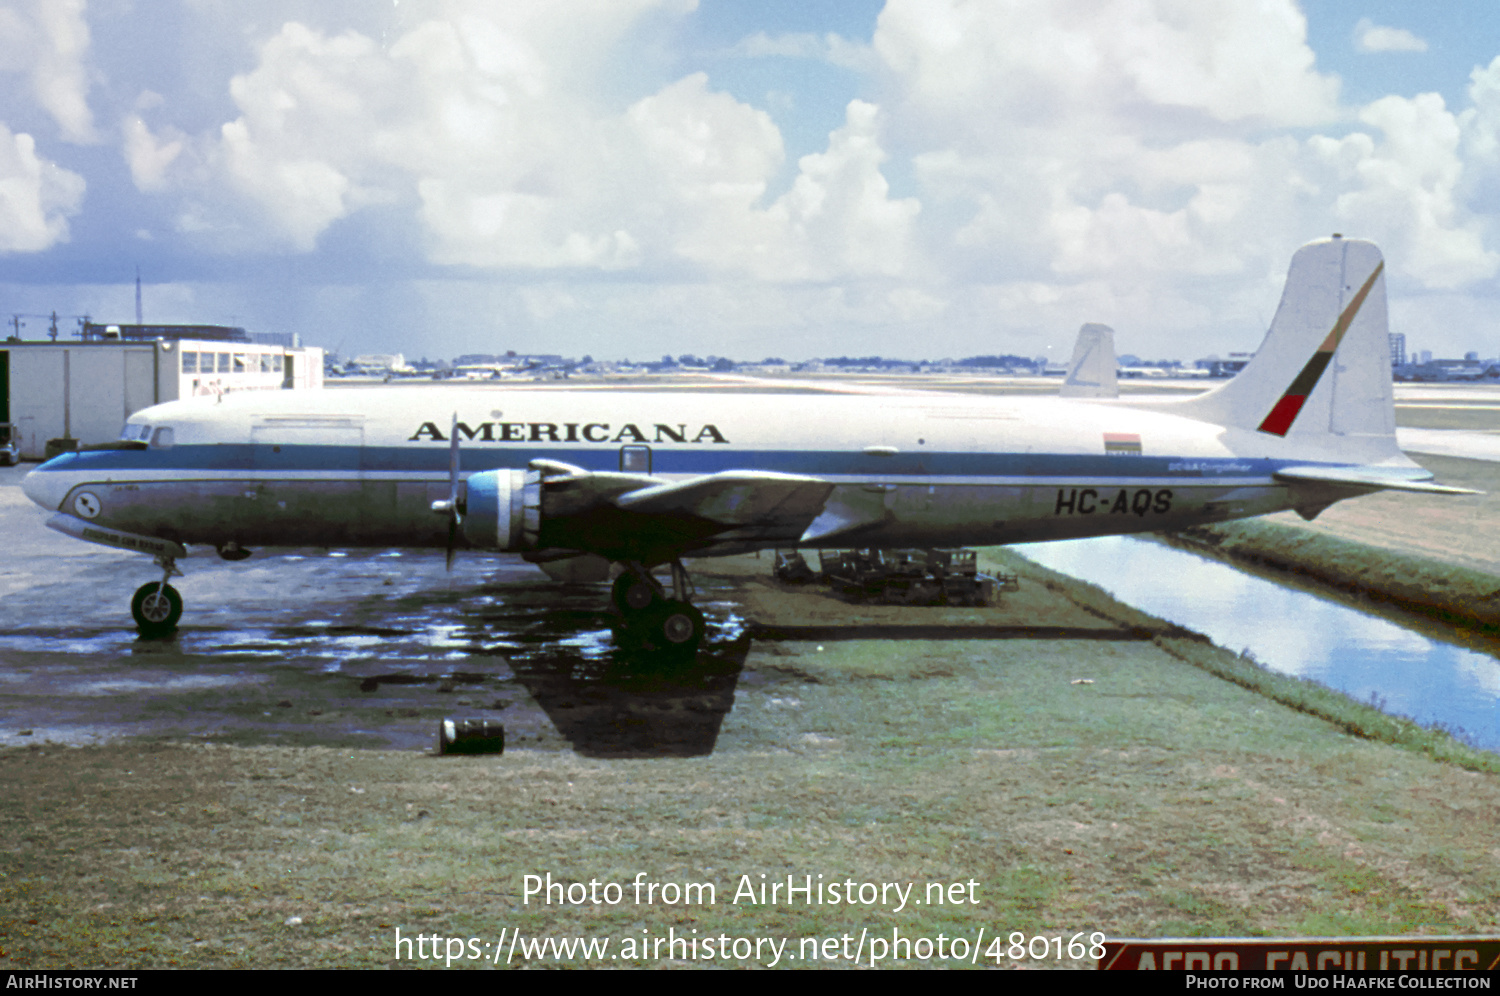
[
  {"x": 1093, "y": 371},
  {"x": 585, "y": 482}
]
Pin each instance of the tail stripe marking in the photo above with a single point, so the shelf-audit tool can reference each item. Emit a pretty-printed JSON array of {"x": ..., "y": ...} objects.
[{"x": 1285, "y": 411}]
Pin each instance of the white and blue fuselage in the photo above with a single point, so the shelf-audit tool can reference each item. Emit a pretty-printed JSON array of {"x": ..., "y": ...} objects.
[{"x": 363, "y": 467}]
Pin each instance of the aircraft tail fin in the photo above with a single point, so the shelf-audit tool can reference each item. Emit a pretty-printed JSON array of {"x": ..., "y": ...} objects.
[
  {"x": 1093, "y": 370},
  {"x": 1323, "y": 372}
]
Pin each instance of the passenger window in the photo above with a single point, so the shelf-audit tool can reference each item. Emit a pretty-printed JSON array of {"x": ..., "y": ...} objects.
[
  {"x": 163, "y": 438},
  {"x": 635, "y": 459}
]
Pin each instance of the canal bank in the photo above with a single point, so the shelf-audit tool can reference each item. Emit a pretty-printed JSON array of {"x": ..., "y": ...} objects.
[
  {"x": 1448, "y": 592},
  {"x": 1094, "y": 576}
]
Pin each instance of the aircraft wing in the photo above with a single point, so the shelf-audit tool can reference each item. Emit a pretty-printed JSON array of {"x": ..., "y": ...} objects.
[
  {"x": 639, "y": 517},
  {"x": 734, "y": 498},
  {"x": 1389, "y": 478}
]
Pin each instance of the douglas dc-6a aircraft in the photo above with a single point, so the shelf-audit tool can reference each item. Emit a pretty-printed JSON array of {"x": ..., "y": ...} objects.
[{"x": 575, "y": 481}]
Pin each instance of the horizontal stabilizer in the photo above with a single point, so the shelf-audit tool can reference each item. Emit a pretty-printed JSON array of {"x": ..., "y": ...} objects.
[
  {"x": 734, "y": 498},
  {"x": 1389, "y": 478}
]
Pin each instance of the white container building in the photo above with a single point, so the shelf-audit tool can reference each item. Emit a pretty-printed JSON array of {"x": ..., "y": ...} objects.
[{"x": 82, "y": 392}]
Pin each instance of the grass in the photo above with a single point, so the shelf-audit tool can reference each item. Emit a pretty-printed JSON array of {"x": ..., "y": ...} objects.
[{"x": 1159, "y": 800}]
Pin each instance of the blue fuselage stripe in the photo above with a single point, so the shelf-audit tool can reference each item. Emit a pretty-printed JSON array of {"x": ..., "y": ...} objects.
[{"x": 263, "y": 459}]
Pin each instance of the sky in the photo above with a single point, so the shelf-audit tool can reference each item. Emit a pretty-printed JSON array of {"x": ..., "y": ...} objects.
[{"x": 637, "y": 178}]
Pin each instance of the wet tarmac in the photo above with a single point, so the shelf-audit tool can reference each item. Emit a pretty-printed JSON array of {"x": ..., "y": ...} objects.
[{"x": 358, "y": 648}]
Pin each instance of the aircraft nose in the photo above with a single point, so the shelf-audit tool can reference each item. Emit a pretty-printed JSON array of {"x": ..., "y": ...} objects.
[{"x": 45, "y": 487}]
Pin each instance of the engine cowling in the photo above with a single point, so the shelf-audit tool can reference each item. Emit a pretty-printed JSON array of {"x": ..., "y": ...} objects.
[{"x": 504, "y": 510}]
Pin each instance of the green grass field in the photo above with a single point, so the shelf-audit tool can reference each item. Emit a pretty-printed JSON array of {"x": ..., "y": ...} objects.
[{"x": 1103, "y": 777}]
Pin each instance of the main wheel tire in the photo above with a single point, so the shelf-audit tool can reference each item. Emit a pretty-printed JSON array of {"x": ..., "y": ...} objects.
[
  {"x": 678, "y": 625},
  {"x": 156, "y": 608},
  {"x": 632, "y": 594}
]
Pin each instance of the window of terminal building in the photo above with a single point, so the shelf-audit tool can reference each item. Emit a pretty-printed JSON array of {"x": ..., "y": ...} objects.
[
  {"x": 223, "y": 363},
  {"x": 265, "y": 363},
  {"x": 276, "y": 363},
  {"x": 189, "y": 363},
  {"x": 239, "y": 363}
]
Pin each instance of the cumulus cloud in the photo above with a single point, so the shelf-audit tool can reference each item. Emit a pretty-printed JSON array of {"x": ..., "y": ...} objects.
[
  {"x": 1165, "y": 141},
  {"x": 1081, "y": 138},
  {"x": 36, "y": 196},
  {"x": 1402, "y": 189},
  {"x": 1372, "y": 37},
  {"x": 474, "y": 123},
  {"x": 1132, "y": 161},
  {"x": 48, "y": 41},
  {"x": 1217, "y": 61}
]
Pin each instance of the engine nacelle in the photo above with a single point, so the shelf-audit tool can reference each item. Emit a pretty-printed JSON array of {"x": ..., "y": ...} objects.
[{"x": 504, "y": 509}]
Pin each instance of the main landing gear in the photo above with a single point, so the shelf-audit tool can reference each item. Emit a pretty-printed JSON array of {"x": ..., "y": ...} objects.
[
  {"x": 156, "y": 605},
  {"x": 653, "y": 618}
]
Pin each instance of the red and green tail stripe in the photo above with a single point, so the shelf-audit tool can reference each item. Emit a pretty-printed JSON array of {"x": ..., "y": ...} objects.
[{"x": 1285, "y": 411}]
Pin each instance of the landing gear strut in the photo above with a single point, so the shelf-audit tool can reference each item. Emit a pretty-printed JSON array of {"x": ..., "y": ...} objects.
[
  {"x": 667, "y": 623},
  {"x": 156, "y": 605}
]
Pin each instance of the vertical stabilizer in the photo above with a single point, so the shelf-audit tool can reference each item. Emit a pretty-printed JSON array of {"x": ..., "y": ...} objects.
[
  {"x": 1324, "y": 368},
  {"x": 1093, "y": 370}
]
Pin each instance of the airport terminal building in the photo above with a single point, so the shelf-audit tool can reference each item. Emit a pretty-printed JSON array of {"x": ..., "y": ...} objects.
[{"x": 78, "y": 393}]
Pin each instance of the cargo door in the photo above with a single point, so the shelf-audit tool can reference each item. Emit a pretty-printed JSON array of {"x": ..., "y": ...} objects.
[
  {"x": 308, "y": 478},
  {"x": 327, "y": 446}
]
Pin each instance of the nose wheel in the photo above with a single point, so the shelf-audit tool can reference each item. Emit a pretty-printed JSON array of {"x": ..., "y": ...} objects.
[{"x": 156, "y": 605}]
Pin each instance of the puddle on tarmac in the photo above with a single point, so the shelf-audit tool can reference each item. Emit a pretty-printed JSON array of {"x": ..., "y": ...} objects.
[{"x": 382, "y": 671}]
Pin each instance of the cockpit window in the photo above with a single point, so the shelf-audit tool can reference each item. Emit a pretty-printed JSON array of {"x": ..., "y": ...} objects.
[
  {"x": 163, "y": 438},
  {"x": 132, "y": 432}
]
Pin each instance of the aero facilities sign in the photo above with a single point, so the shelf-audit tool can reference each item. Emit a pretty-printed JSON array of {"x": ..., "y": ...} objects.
[{"x": 1315, "y": 954}]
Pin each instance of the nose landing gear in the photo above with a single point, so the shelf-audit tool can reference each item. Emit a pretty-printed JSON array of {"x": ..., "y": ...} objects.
[{"x": 156, "y": 605}]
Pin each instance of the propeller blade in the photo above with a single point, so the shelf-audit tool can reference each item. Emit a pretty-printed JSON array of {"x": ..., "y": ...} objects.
[
  {"x": 453, "y": 469},
  {"x": 455, "y": 513}
]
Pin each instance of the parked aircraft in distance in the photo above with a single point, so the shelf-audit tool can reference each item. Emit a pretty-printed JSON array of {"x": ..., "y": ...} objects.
[{"x": 577, "y": 481}]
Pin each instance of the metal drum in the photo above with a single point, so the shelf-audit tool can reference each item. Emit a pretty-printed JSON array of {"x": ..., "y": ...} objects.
[{"x": 471, "y": 736}]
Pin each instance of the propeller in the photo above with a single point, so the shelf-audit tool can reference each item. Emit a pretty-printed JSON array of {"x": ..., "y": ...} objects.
[{"x": 452, "y": 507}]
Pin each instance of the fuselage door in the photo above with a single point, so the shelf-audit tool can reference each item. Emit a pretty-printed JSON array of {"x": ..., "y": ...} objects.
[
  {"x": 332, "y": 445},
  {"x": 308, "y": 480}
]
